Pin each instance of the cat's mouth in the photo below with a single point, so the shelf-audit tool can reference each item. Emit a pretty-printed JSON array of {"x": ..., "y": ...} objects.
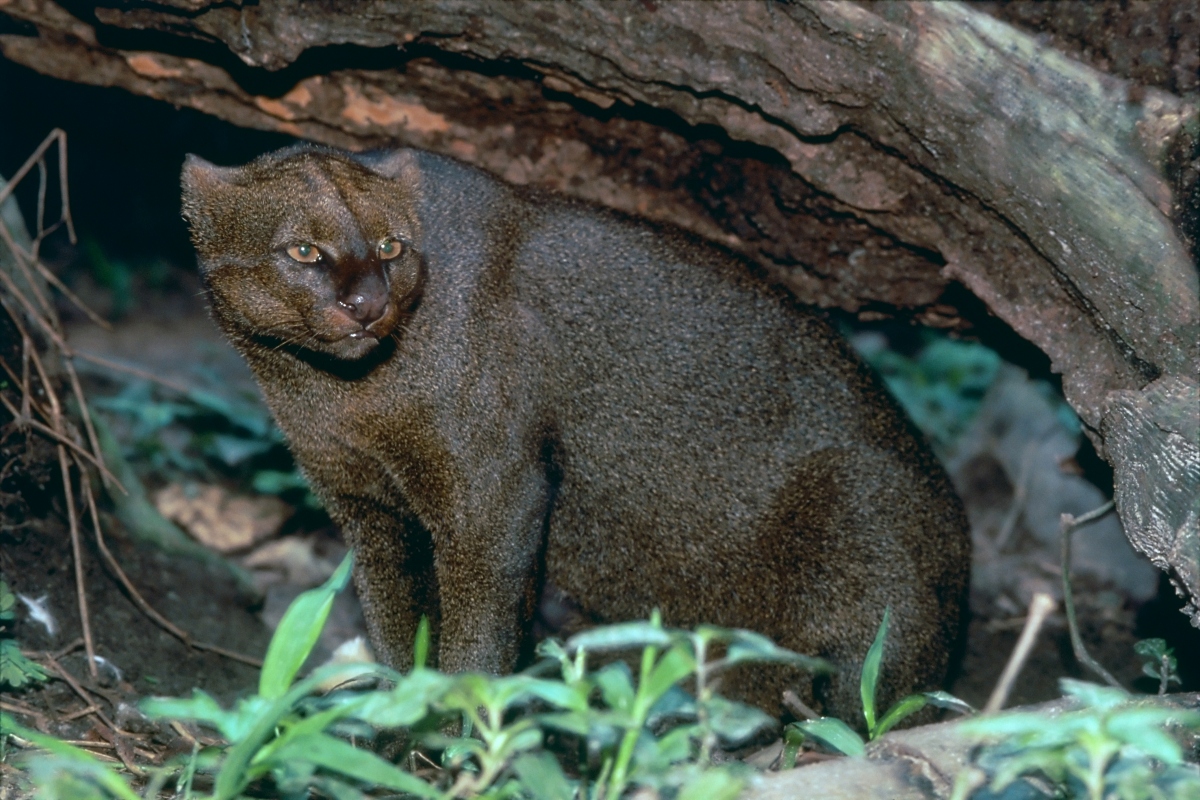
[{"x": 350, "y": 340}]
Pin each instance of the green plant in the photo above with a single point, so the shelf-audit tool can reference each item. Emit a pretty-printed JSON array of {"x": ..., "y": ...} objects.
[
  {"x": 648, "y": 732},
  {"x": 1111, "y": 745},
  {"x": 16, "y": 671},
  {"x": 209, "y": 435},
  {"x": 1159, "y": 662},
  {"x": 941, "y": 386},
  {"x": 837, "y": 735}
]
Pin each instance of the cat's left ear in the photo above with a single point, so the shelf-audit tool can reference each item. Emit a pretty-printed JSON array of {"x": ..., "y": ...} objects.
[{"x": 399, "y": 165}]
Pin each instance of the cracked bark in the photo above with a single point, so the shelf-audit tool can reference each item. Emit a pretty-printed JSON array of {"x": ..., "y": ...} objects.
[{"x": 873, "y": 157}]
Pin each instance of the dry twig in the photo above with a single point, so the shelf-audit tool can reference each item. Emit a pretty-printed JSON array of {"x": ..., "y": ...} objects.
[
  {"x": 1069, "y": 524},
  {"x": 1039, "y": 607}
]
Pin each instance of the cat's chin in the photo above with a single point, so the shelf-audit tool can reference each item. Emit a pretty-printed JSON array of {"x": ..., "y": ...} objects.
[{"x": 351, "y": 348}]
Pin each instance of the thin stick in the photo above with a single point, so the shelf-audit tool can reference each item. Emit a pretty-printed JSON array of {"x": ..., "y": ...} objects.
[
  {"x": 131, "y": 370},
  {"x": 41, "y": 206},
  {"x": 63, "y": 194},
  {"x": 793, "y": 703},
  {"x": 58, "y": 438},
  {"x": 79, "y": 690},
  {"x": 1068, "y": 525},
  {"x": 31, "y": 162},
  {"x": 31, "y": 311},
  {"x": 77, "y": 552},
  {"x": 19, "y": 258},
  {"x": 53, "y": 279},
  {"x": 83, "y": 712},
  {"x": 26, "y": 395},
  {"x": 1041, "y": 605},
  {"x": 141, "y": 602},
  {"x": 77, "y": 388}
]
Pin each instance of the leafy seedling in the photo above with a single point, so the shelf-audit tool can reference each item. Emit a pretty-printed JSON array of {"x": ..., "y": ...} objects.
[
  {"x": 294, "y": 732},
  {"x": 1159, "y": 662},
  {"x": 840, "y": 737},
  {"x": 272, "y": 733},
  {"x": 16, "y": 670},
  {"x": 1111, "y": 745}
]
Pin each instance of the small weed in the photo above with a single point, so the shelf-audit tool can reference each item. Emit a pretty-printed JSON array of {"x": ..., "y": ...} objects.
[
  {"x": 16, "y": 671},
  {"x": 1112, "y": 745},
  {"x": 1159, "y": 662},
  {"x": 646, "y": 732},
  {"x": 208, "y": 435},
  {"x": 840, "y": 737}
]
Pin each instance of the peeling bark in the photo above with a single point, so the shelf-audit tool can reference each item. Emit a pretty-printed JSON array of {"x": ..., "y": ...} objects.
[{"x": 871, "y": 156}]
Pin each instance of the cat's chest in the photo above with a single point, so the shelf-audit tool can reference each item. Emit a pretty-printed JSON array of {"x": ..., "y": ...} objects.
[{"x": 326, "y": 418}]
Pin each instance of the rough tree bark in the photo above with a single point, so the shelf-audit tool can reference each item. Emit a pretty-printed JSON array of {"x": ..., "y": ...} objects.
[{"x": 872, "y": 156}]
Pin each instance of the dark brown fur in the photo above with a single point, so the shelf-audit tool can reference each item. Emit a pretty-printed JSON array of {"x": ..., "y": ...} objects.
[{"x": 556, "y": 393}]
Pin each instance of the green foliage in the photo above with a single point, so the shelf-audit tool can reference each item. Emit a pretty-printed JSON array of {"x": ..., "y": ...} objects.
[
  {"x": 1159, "y": 660},
  {"x": 1112, "y": 745},
  {"x": 840, "y": 737},
  {"x": 209, "y": 435},
  {"x": 67, "y": 772},
  {"x": 941, "y": 386},
  {"x": 113, "y": 274},
  {"x": 646, "y": 731},
  {"x": 16, "y": 671}
]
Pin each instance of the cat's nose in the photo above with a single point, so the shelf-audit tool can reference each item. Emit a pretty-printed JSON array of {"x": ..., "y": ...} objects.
[{"x": 363, "y": 308}]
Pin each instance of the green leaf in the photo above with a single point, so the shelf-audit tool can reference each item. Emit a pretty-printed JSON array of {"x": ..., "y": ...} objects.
[
  {"x": 298, "y": 631},
  {"x": 16, "y": 670},
  {"x": 949, "y": 702},
  {"x": 616, "y": 686},
  {"x": 516, "y": 739},
  {"x": 622, "y": 636},
  {"x": 1153, "y": 649},
  {"x": 870, "y": 671},
  {"x": 1093, "y": 695},
  {"x": 328, "y": 752},
  {"x": 270, "y": 481},
  {"x": 735, "y": 722},
  {"x": 750, "y": 646},
  {"x": 8, "y": 602},
  {"x": 674, "y": 665},
  {"x": 542, "y": 778},
  {"x": 338, "y": 790},
  {"x": 676, "y": 746},
  {"x": 233, "y": 450},
  {"x": 906, "y": 707},
  {"x": 577, "y": 723},
  {"x": 408, "y": 702},
  {"x": 421, "y": 644},
  {"x": 793, "y": 738},
  {"x": 712, "y": 784},
  {"x": 1142, "y": 727},
  {"x": 834, "y": 733},
  {"x": 68, "y": 758},
  {"x": 233, "y": 725},
  {"x": 571, "y": 697}
]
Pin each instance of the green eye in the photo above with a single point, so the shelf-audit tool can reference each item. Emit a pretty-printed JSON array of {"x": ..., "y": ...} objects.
[
  {"x": 389, "y": 248},
  {"x": 304, "y": 253}
]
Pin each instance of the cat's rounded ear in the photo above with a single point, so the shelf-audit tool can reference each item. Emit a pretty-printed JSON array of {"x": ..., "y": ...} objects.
[
  {"x": 399, "y": 165},
  {"x": 202, "y": 182}
]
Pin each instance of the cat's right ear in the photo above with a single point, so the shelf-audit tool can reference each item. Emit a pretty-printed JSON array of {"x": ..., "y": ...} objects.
[
  {"x": 201, "y": 179},
  {"x": 205, "y": 189}
]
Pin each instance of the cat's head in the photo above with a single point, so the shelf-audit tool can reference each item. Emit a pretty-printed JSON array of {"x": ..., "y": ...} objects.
[{"x": 306, "y": 247}]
